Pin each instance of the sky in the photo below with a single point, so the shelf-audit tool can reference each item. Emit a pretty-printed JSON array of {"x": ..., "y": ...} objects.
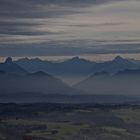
[{"x": 98, "y": 29}]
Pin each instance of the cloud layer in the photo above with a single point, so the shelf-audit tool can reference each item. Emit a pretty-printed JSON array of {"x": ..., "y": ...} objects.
[{"x": 69, "y": 27}]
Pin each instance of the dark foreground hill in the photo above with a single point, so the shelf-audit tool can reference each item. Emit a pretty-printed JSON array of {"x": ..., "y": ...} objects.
[{"x": 47, "y": 121}]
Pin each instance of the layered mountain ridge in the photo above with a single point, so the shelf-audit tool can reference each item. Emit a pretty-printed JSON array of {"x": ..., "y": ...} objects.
[
  {"x": 76, "y": 69},
  {"x": 119, "y": 77},
  {"x": 16, "y": 81}
]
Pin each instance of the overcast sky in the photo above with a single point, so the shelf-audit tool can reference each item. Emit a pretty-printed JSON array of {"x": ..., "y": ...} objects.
[{"x": 69, "y": 27}]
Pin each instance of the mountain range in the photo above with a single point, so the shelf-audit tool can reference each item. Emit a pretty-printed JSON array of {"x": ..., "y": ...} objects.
[
  {"x": 125, "y": 82},
  {"x": 16, "y": 81},
  {"x": 76, "y": 69},
  {"x": 28, "y": 80},
  {"x": 12, "y": 68}
]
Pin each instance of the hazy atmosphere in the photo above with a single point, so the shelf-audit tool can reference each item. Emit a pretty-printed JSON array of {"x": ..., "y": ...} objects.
[{"x": 69, "y": 69}]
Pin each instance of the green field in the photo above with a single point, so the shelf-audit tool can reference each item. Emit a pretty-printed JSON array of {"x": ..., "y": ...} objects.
[
  {"x": 129, "y": 115},
  {"x": 82, "y": 123}
]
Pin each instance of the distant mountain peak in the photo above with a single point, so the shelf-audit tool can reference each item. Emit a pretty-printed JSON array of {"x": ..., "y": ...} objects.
[
  {"x": 76, "y": 58},
  {"x": 25, "y": 59},
  {"x": 11, "y": 67},
  {"x": 29, "y": 59},
  {"x": 119, "y": 58},
  {"x": 9, "y": 60}
]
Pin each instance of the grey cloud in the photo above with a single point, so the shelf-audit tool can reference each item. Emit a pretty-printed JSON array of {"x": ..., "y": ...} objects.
[
  {"x": 43, "y": 8},
  {"x": 56, "y": 48},
  {"x": 12, "y": 11},
  {"x": 22, "y": 23},
  {"x": 99, "y": 24},
  {"x": 23, "y": 29}
]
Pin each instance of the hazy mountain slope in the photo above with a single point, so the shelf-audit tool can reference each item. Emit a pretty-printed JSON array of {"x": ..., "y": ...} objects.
[
  {"x": 76, "y": 66},
  {"x": 36, "y": 82},
  {"x": 16, "y": 82},
  {"x": 20, "y": 86},
  {"x": 123, "y": 83},
  {"x": 12, "y": 68},
  {"x": 71, "y": 71},
  {"x": 76, "y": 69},
  {"x": 129, "y": 72},
  {"x": 137, "y": 62},
  {"x": 114, "y": 66},
  {"x": 34, "y": 65},
  {"x": 72, "y": 66}
]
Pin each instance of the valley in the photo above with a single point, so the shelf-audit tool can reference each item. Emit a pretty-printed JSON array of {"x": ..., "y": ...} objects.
[{"x": 45, "y": 121}]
